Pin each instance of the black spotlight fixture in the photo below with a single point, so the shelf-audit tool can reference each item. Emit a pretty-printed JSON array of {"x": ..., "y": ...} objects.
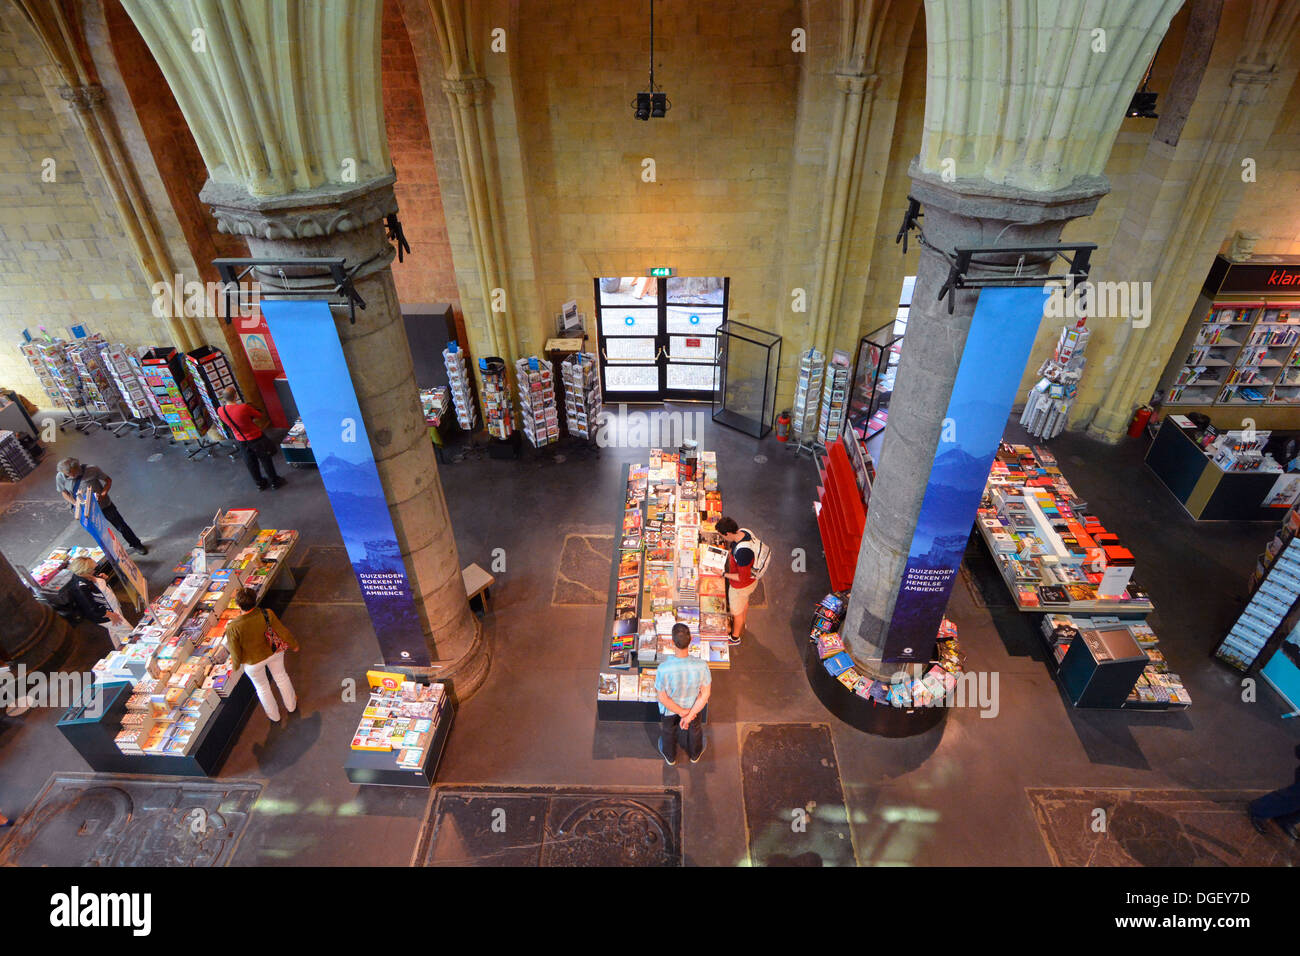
[
  {"x": 651, "y": 103},
  {"x": 1143, "y": 104}
]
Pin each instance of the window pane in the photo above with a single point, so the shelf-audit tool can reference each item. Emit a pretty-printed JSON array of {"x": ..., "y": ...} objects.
[
  {"x": 629, "y": 322},
  {"x": 693, "y": 377},
  {"x": 695, "y": 289},
  {"x": 688, "y": 320},
  {"x": 631, "y": 378},
  {"x": 629, "y": 290},
  {"x": 629, "y": 348}
]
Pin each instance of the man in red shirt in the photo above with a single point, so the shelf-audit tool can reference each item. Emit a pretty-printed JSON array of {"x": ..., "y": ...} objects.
[
  {"x": 740, "y": 572},
  {"x": 245, "y": 423}
]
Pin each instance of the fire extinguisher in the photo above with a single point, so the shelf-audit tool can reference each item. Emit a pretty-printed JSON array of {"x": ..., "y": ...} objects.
[
  {"x": 783, "y": 426},
  {"x": 1139, "y": 423}
]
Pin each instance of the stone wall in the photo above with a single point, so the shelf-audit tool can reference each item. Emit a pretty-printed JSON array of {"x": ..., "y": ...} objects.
[{"x": 63, "y": 258}]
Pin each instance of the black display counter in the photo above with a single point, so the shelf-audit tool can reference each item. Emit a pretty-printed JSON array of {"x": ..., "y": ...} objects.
[
  {"x": 379, "y": 767},
  {"x": 93, "y": 737},
  {"x": 1206, "y": 491}
]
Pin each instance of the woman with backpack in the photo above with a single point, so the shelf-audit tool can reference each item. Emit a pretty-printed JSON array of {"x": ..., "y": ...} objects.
[{"x": 746, "y": 562}]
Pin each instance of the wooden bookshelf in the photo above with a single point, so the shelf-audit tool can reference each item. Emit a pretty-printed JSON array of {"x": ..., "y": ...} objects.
[{"x": 841, "y": 515}]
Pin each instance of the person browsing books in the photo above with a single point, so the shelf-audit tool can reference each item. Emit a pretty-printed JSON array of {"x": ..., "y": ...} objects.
[
  {"x": 250, "y": 638},
  {"x": 683, "y": 684},
  {"x": 245, "y": 423},
  {"x": 73, "y": 476},
  {"x": 742, "y": 571},
  {"x": 92, "y": 596}
]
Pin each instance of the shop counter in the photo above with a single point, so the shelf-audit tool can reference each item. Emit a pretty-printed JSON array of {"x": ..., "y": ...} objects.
[{"x": 1206, "y": 491}]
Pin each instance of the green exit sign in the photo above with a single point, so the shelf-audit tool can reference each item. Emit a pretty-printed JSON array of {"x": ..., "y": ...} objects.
[{"x": 660, "y": 272}]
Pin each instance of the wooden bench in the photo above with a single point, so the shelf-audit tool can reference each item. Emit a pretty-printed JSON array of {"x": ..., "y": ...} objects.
[{"x": 477, "y": 582}]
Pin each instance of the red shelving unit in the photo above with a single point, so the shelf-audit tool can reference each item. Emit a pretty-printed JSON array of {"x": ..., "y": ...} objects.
[{"x": 841, "y": 516}]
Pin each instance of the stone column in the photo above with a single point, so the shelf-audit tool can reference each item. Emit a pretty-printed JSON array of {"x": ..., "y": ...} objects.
[
  {"x": 928, "y": 369},
  {"x": 32, "y": 634},
  {"x": 1016, "y": 135},
  {"x": 284, "y": 102}
]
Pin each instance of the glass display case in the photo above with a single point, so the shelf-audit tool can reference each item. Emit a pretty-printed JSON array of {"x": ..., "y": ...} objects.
[
  {"x": 747, "y": 364},
  {"x": 873, "y": 379}
]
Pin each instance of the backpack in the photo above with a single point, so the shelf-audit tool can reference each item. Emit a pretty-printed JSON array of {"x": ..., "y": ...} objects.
[{"x": 762, "y": 554}]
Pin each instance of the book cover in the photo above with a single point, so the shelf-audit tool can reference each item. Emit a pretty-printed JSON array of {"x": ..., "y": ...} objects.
[
  {"x": 629, "y": 687},
  {"x": 607, "y": 687}
]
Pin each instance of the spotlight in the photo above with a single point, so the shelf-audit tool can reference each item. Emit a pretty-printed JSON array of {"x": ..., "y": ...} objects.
[
  {"x": 643, "y": 106},
  {"x": 659, "y": 104}
]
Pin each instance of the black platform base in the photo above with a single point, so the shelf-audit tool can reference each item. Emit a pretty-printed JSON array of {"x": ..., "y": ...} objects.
[
  {"x": 868, "y": 716},
  {"x": 94, "y": 738}
]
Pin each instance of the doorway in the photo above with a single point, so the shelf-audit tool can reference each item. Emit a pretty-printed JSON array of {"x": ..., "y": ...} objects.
[{"x": 658, "y": 337}]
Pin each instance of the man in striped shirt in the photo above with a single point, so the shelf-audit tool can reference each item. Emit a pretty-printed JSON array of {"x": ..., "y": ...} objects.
[{"x": 684, "y": 684}]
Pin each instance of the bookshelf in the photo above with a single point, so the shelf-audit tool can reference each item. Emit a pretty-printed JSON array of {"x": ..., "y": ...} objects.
[
  {"x": 1244, "y": 352},
  {"x": 841, "y": 509}
]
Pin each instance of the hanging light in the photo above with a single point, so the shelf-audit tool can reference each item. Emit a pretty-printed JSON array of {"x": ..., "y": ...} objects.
[{"x": 651, "y": 103}]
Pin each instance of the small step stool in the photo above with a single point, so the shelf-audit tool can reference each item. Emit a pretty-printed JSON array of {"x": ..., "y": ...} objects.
[{"x": 477, "y": 582}]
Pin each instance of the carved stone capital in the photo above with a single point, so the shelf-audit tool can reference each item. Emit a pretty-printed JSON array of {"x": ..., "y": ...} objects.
[
  {"x": 855, "y": 84},
  {"x": 304, "y": 215},
  {"x": 83, "y": 98}
]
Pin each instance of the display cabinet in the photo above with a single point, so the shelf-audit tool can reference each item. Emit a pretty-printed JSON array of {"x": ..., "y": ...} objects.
[
  {"x": 873, "y": 379},
  {"x": 747, "y": 363}
]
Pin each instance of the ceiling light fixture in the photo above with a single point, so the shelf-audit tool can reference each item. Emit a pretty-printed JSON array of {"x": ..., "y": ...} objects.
[{"x": 651, "y": 103}]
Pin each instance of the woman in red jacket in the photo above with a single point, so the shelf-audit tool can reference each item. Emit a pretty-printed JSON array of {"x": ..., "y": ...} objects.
[{"x": 245, "y": 424}]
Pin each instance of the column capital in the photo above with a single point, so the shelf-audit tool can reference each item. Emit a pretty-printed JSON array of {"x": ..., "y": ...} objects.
[
  {"x": 979, "y": 199},
  {"x": 84, "y": 98},
  {"x": 309, "y": 214},
  {"x": 856, "y": 84}
]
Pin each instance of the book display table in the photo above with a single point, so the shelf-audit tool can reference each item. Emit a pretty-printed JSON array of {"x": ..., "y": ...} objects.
[
  {"x": 168, "y": 701},
  {"x": 402, "y": 733},
  {"x": 1058, "y": 559},
  {"x": 667, "y": 569}
]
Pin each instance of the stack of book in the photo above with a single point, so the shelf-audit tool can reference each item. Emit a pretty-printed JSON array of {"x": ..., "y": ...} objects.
[
  {"x": 497, "y": 410},
  {"x": 462, "y": 391},
  {"x": 16, "y": 462},
  {"x": 669, "y": 572},
  {"x": 1050, "y": 550},
  {"x": 402, "y": 720},
  {"x": 835, "y": 390},
  {"x": 582, "y": 400},
  {"x": 537, "y": 407},
  {"x": 803, "y": 416},
  {"x": 1276, "y": 593}
]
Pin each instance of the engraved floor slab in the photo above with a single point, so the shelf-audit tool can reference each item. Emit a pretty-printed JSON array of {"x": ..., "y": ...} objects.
[
  {"x": 795, "y": 811},
  {"x": 326, "y": 576},
  {"x": 583, "y": 574},
  {"x": 1156, "y": 828},
  {"x": 552, "y": 826},
  {"x": 87, "y": 819}
]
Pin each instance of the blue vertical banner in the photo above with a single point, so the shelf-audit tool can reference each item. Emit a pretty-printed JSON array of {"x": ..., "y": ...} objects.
[
  {"x": 308, "y": 342},
  {"x": 91, "y": 517},
  {"x": 1001, "y": 336}
]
